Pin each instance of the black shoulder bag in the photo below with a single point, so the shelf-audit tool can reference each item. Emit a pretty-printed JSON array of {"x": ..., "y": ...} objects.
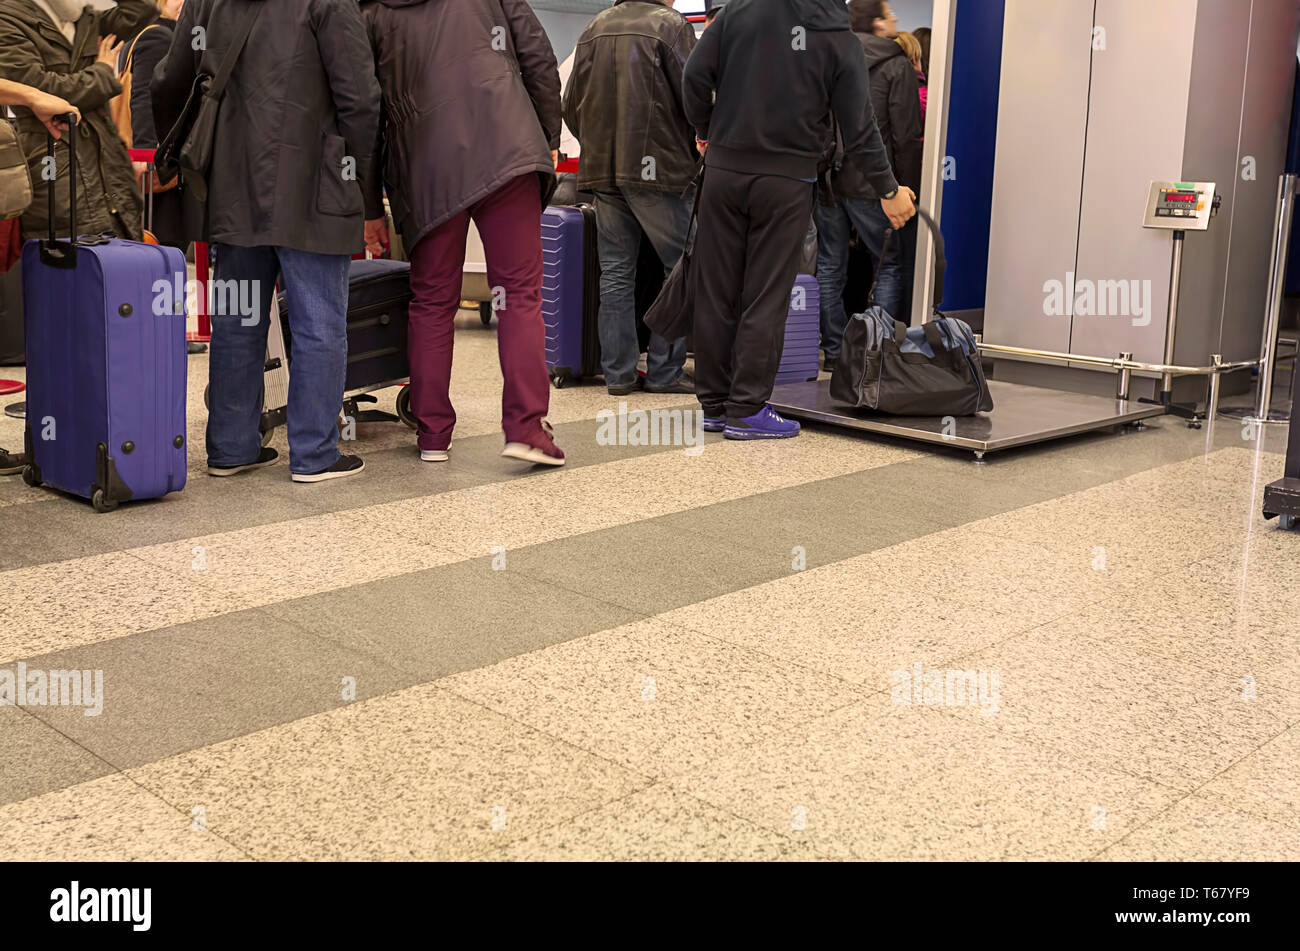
[{"x": 187, "y": 148}]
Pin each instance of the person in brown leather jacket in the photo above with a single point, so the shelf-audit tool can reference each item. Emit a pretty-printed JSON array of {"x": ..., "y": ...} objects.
[{"x": 624, "y": 104}]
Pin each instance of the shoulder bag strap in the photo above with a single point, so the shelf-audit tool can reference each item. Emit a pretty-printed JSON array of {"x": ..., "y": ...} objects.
[{"x": 218, "y": 85}]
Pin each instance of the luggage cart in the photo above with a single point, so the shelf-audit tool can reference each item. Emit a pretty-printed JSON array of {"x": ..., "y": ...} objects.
[{"x": 275, "y": 387}]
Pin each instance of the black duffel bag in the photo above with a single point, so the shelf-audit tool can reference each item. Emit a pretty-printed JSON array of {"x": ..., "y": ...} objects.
[{"x": 931, "y": 370}]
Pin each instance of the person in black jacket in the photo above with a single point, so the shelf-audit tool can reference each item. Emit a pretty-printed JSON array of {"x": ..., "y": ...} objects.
[
  {"x": 293, "y": 141},
  {"x": 779, "y": 70},
  {"x": 145, "y": 52},
  {"x": 471, "y": 98},
  {"x": 623, "y": 102},
  {"x": 896, "y": 103}
]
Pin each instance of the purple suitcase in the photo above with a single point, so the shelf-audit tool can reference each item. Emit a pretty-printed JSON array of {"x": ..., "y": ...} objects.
[
  {"x": 570, "y": 292},
  {"x": 799, "y": 357},
  {"x": 106, "y": 364}
]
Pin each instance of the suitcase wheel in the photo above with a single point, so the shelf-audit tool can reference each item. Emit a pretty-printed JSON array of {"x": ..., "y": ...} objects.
[
  {"x": 1286, "y": 522},
  {"x": 560, "y": 378},
  {"x": 101, "y": 502},
  {"x": 404, "y": 407},
  {"x": 485, "y": 312},
  {"x": 31, "y": 476}
]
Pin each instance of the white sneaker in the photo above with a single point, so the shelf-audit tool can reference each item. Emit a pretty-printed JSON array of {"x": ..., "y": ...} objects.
[
  {"x": 543, "y": 452},
  {"x": 434, "y": 455}
]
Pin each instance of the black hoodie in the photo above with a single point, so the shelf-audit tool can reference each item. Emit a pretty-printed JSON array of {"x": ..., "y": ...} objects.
[{"x": 780, "y": 69}]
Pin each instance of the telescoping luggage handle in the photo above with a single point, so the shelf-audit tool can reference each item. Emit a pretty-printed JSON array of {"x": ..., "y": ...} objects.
[
  {"x": 940, "y": 262},
  {"x": 56, "y": 253}
]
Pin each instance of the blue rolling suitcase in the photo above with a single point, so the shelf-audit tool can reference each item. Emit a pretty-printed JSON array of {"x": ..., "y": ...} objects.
[
  {"x": 570, "y": 292},
  {"x": 799, "y": 357},
  {"x": 105, "y": 327}
]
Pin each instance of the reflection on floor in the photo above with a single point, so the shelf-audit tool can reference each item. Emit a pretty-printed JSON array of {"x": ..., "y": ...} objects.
[{"x": 831, "y": 648}]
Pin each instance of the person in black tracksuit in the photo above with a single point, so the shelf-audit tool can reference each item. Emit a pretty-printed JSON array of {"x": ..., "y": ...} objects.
[{"x": 760, "y": 88}]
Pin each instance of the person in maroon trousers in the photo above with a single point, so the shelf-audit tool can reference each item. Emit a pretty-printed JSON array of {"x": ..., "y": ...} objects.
[{"x": 471, "y": 121}]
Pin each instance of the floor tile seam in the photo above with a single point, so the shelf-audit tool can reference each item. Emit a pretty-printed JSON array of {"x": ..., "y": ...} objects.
[
  {"x": 561, "y": 823},
  {"x": 114, "y": 771},
  {"x": 158, "y": 795},
  {"x": 1234, "y": 808},
  {"x": 841, "y": 681},
  {"x": 643, "y": 779},
  {"x": 1104, "y": 646},
  {"x": 569, "y": 744},
  {"x": 1246, "y": 809}
]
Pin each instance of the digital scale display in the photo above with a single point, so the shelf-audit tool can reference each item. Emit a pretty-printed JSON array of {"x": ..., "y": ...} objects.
[
  {"x": 1180, "y": 206},
  {"x": 1178, "y": 203}
]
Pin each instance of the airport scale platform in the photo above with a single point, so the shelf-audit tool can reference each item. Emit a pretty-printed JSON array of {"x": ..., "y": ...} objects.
[{"x": 1021, "y": 416}]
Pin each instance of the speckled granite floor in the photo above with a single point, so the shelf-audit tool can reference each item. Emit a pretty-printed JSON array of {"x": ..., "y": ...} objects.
[{"x": 832, "y": 648}]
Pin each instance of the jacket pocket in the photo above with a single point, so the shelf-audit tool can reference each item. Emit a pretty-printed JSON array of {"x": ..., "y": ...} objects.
[{"x": 337, "y": 191}]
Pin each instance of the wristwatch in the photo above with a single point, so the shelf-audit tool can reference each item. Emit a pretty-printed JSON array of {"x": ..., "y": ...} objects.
[{"x": 890, "y": 196}]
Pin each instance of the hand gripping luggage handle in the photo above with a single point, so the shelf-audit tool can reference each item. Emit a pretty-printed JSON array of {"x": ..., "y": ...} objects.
[
  {"x": 932, "y": 336},
  {"x": 56, "y": 253},
  {"x": 940, "y": 261}
]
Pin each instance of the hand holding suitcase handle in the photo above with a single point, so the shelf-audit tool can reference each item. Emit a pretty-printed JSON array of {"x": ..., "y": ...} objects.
[
  {"x": 940, "y": 262},
  {"x": 54, "y": 252}
]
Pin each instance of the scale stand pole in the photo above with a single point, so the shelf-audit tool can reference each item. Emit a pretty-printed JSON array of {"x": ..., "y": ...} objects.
[
  {"x": 1175, "y": 278},
  {"x": 1166, "y": 398},
  {"x": 1282, "y": 217}
]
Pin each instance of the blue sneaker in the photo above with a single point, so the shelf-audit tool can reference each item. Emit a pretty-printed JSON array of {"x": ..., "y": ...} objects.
[
  {"x": 715, "y": 424},
  {"x": 767, "y": 423}
]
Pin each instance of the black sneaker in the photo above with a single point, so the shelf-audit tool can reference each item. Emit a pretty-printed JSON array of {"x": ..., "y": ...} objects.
[
  {"x": 267, "y": 457},
  {"x": 625, "y": 389},
  {"x": 828, "y": 363},
  {"x": 342, "y": 468},
  {"x": 683, "y": 384},
  {"x": 11, "y": 463}
]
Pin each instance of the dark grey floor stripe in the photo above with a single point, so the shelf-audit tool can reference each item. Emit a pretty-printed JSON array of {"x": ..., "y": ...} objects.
[{"x": 180, "y": 688}]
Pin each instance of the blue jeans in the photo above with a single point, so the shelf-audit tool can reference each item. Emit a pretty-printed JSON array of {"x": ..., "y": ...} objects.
[
  {"x": 622, "y": 214},
  {"x": 316, "y": 289},
  {"x": 871, "y": 225}
]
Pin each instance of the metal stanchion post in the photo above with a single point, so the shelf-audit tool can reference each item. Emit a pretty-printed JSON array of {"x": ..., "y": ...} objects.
[
  {"x": 1212, "y": 404},
  {"x": 1125, "y": 378},
  {"x": 1285, "y": 212}
]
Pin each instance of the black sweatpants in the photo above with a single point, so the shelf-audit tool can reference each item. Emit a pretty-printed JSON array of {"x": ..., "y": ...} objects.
[{"x": 751, "y": 230}]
